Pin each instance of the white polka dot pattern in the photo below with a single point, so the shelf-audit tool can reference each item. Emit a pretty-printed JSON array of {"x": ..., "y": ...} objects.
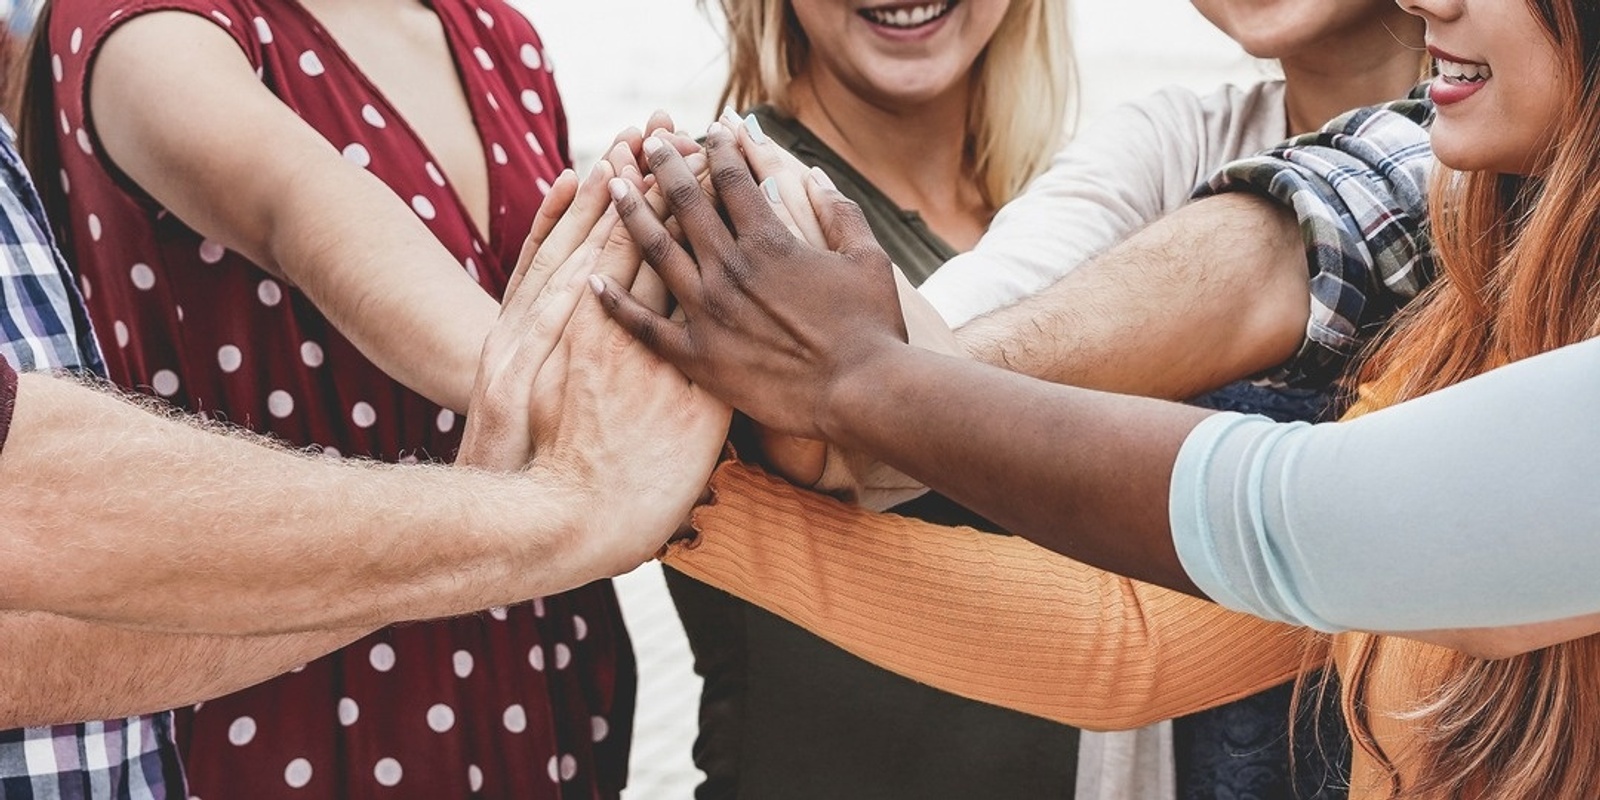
[
  {"x": 263, "y": 30},
  {"x": 373, "y": 116},
  {"x": 297, "y": 774},
  {"x": 269, "y": 293},
  {"x": 462, "y": 664},
  {"x": 311, "y": 354},
  {"x": 532, "y": 101},
  {"x": 349, "y": 712},
  {"x": 424, "y": 207},
  {"x": 165, "y": 383},
  {"x": 229, "y": 358},
  {"x": 357, "y": 154},
  {"x": 382, "y": 657},
  {"x": 211, "y": 252},
  {"x": 280, "y": 404},
  {"x": 515, "y": 719},
  {"x": 242, "y": 731},
  {"x": 143, "y": 277},
  {"x": 441, "y": 718},
  {"x": 311, "y": 64},
  {"x": 363, "y": 415}
]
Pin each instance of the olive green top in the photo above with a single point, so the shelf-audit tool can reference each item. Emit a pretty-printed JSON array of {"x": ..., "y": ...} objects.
[{"x": 910, "y": 243}]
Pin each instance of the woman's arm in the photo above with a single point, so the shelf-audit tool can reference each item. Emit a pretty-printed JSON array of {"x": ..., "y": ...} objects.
[
  {"x": 1467, "y": 520},
  {"x": 1468, "y": 508},
  {"x": 177, "y": 106},
  {"x": 992, "y": 618},
  {"x": 1131, "y": 167}
]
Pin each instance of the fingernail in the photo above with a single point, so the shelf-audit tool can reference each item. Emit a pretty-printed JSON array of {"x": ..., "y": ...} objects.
[
  {"x": 731, "y": 116},
  {"x": 754, "y": 126},
  {"x": 654, "y": 145},
  {"x": 822, "y": 179},
  {"x": 618, "y": 187},
  {"x": 599, "y": 286},
  {"x": 770, "y": 186}
]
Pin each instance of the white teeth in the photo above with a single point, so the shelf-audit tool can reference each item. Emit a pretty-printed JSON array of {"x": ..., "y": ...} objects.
[
  {"x": 908, "y": 17},
  {"x": 1461, "y": 71}
]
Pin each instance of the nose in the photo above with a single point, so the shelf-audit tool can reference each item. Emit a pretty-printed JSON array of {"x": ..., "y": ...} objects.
[{"x": 1433, "y": 10}]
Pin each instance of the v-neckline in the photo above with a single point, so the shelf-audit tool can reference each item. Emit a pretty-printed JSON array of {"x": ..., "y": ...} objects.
[{"x": 482, "y": 240}]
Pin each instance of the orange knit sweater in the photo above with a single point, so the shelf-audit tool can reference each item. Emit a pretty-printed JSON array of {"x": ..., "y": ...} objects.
[{"x": 1000, "y": 620}]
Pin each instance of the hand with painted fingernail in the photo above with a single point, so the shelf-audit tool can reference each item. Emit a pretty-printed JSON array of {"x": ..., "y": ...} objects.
[{"x": 771, "y": 323}]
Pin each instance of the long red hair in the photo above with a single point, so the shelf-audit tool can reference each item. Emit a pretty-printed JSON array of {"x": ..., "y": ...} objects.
[{"x": 1520, "y": 260}]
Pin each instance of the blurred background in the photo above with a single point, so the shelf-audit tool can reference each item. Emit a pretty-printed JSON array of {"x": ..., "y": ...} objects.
[{"x": 617, "y": 60}]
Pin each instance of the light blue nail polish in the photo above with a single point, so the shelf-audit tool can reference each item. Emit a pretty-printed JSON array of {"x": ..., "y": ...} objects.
[
  {"x": 770, "y": 186},
  {"x": 730, "y": 115},
  {"x": 754, "y": 126}
]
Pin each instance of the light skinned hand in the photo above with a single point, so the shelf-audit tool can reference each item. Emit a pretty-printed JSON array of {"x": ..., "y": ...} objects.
[{"x": 601, "y": 417}]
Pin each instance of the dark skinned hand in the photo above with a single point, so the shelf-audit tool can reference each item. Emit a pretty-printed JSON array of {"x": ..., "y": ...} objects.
[{"x": 772, "y": 325}]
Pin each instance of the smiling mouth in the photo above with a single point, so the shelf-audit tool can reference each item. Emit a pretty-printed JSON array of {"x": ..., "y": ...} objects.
[
  {"x": 1463, "y": 73},
  {"x": 908, "y": 16}
]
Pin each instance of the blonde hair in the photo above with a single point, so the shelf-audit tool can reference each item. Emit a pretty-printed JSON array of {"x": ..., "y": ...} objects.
[{"x": 1024, "y": 83}]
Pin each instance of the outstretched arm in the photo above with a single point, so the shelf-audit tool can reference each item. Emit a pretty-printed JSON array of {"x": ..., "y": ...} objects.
[
  {"x": 817, "y": 350},
  {"x": 992, "y": 618}
]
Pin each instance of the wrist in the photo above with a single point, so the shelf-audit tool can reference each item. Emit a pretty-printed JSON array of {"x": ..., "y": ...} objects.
[{"x": 848, "y": 400}]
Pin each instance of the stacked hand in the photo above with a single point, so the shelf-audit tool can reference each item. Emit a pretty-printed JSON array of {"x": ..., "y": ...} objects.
[
  {"x": 564, "y": 391},
  {"x": 775, "y": 347},
  {"x": 779, "y": 302}
]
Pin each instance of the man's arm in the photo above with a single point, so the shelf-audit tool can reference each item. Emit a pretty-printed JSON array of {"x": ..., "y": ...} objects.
[
  {"x": 1209, "y": 294},
  {"x": 118, "y": 514},
  {"x": 56, "y": 670}
]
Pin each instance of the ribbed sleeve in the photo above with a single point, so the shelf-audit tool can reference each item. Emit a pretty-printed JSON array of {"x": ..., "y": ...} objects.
[{"x": 996, "y": 619}]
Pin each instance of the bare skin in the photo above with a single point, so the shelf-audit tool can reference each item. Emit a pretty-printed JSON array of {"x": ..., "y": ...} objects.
[
  {"x": 820, "y": 352},
  {"x": 242, "y": 537},
  {"x": 865, "y": 96}
]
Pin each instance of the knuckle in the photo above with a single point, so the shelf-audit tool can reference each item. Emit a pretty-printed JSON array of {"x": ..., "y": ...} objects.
[
  {"x": 682, "y": 194},
  {"x": 657, "y": 247},
  {"x": 725, "y": 173}
]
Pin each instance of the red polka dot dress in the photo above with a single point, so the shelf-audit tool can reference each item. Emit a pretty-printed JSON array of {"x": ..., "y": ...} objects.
[{"x": 534, "y": 701}]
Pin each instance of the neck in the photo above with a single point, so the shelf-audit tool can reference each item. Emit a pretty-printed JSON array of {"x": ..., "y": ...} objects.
[
  {"x": 915, "y": 153},
  {"x": 1374, "y": 64}
]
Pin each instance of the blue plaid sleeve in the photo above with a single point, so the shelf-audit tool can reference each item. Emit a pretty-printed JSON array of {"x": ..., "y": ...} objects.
[
  {"x": 1360, "y": 189},
  {"x": 43, "y": 323}
]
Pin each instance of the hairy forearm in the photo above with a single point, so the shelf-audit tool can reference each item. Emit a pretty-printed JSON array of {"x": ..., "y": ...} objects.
[
  {"x": 1159, "y": 316},
  {"x": 56, "y": 670},
  {"x": 118, "y": 514},
  {"x": 1041, "y": 460}
]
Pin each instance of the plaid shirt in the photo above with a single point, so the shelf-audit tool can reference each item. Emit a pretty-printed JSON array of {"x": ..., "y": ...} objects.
[
  {"x": 43, "y": 327},
  {"x": 1360, "y": 189}
]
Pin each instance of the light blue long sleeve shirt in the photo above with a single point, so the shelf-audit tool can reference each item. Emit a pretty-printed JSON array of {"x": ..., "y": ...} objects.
[{"x": 1476, "y": 506}]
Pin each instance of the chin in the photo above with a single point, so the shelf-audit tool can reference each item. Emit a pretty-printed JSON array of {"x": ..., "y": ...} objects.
[{"x": 1468, "y": 151}]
